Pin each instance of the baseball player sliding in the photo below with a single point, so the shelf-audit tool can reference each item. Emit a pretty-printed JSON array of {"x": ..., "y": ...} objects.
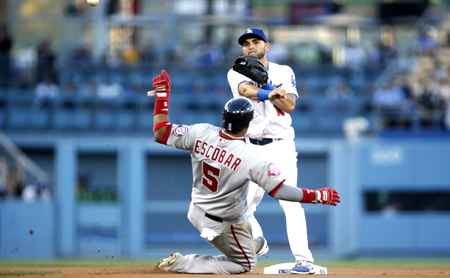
[
  {"x": 222, "y": 166},
  {"x": 254, "y": 77}
]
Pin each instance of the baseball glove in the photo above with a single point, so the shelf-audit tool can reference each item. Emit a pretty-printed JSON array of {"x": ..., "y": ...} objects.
[{"x": 251, "y": 67}]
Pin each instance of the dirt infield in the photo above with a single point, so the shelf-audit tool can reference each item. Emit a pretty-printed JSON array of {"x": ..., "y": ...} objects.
[{"x": 130, "y": 272}]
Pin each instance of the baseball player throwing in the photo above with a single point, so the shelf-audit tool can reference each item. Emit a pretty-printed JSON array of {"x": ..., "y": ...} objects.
[
  {"x": 253, "y": 77},
  {"x": 222, "y": 166}
]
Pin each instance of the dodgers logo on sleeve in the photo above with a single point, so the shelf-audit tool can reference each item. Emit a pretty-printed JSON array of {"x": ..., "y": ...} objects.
[
  {"x": 272, "y": 170},
  {"x": 181, "y": 130}
]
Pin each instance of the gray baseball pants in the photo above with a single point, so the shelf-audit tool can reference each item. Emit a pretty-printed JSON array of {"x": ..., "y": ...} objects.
[{"x": 235, "y": 242}]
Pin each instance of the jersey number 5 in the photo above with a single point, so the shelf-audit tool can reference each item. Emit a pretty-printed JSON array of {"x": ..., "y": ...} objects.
[{"x": 210, "y": 177}]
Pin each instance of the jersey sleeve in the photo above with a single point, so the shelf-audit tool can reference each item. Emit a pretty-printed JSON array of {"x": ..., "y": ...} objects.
[
  {"x": 266, "y": 174},
  {"x": 235, "y": 79},
  {"x": 183, "y": 137},
  {"x": 289, "y": 82}
]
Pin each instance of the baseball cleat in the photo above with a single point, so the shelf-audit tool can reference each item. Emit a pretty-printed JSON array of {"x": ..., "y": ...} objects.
[
  {"x": 303, "y": 267},
  {"x": 261, "y": 247},
  {"x": 165, "y": 264}
]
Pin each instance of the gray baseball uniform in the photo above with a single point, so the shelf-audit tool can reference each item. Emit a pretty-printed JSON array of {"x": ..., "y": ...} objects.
[{"x": 222, "y": 167}]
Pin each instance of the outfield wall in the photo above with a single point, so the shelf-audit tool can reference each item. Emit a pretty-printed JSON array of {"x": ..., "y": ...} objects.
[{"x": 395, "y": 199}]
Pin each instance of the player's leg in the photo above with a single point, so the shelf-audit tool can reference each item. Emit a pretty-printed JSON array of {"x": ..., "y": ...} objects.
[
  {"x": 297, "y": 230},
  {"x": 254, "y": 197},
  {"x": 235, "y": 242},
  {"x": 285, "y": 157},
  {"x": 205, "y": 264}
]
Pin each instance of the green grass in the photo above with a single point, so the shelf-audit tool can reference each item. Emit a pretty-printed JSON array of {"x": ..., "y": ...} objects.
[
  {"x": 27, "y": 272},
  {"x": 392, "y": 264},
  {"x": 88, "y": 262},
  {"x": 381, "y": 263}
]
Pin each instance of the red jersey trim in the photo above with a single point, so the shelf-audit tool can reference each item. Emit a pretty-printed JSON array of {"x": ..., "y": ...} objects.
[
  {"x": 166, "y": 135},
  {"x": 228, "y": 137},
  {"x": 275, "y": 190},
  {"x": 161, "y": 124}
]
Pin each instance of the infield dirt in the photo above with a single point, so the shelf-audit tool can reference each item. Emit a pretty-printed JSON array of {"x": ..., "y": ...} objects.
[{"x": 132, "y": 272}]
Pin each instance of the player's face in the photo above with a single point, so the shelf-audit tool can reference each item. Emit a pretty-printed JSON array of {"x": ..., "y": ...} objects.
[{"x": 254, "y": 46}]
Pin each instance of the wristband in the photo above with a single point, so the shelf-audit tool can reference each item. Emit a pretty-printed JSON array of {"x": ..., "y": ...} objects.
[
  {"x": 268, "y": 86},
  {"x": 161, "y": 106},
  {"x": 263, "y": 95},
  {"x": 309, "y": 196}
]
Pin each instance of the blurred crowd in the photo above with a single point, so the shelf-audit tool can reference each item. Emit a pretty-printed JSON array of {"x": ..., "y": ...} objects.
[
  {"x": 30, "y": 67},
  {"x": 421, "y": 95},
  {"x": 397, "y": 99},
  {"x": 16, "y": 183},
  {"x": 13, "y": 183}
]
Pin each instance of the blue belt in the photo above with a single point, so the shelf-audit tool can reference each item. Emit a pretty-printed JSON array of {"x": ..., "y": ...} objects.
[{"x": 263, "y": 141}]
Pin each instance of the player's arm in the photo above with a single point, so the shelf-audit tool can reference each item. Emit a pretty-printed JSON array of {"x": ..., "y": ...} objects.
[
  {"x": 326, "y": 196},
  {"x": 248, "y": 90},
  {"x": 286, "y": 104},
  {"x": 160, "y": 119},
  {"x": 284, "y": 101},
  {"x": 161, "y": 124}
]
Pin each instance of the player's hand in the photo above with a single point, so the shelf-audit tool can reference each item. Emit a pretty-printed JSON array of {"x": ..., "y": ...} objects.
[
  {"x": 162, "y": 85},
  {"x": 278, "y": 93},
  {"x": 327, "y": 196}
]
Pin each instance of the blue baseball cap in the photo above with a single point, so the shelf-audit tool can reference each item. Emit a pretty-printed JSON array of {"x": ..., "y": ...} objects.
[{"x": 252, "y": 31}]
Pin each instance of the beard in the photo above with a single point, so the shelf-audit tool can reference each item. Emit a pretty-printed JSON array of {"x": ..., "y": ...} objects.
[{"x": 261, "y": 54}]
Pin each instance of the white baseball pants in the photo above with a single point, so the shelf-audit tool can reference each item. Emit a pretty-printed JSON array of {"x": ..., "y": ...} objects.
[{"x": 284, "y": 155}]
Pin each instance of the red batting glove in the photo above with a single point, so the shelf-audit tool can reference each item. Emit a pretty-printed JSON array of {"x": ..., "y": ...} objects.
[
  {"x": 326, "y": 196},
  {"x": 162, "y": 85}
]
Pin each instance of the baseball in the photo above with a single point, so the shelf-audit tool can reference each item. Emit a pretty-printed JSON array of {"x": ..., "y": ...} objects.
[{"x": 92, "y": 2}]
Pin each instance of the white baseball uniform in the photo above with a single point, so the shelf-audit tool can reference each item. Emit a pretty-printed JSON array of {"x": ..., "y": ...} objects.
[
  {"x": 222, "y": 167},
  {"x": 274, "y": 124}
]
